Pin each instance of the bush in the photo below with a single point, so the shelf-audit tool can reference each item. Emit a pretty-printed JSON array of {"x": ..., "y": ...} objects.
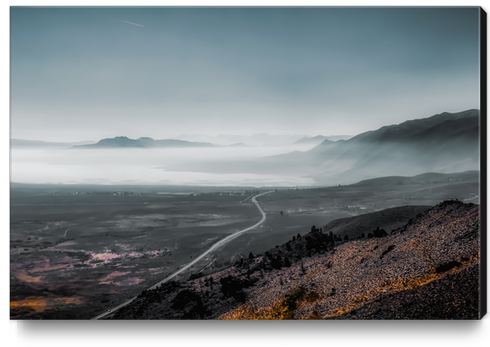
[
  {"x": 183, "y": 298},
  {"x": 232, "y": 286},
  {"x": 276, "y": 262},
  {"x": 310, "y": 244},
  {"x": 379, "y": 232}
]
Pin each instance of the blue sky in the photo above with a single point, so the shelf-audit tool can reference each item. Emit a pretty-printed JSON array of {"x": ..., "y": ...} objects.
[{"x": 86, "y": 73}]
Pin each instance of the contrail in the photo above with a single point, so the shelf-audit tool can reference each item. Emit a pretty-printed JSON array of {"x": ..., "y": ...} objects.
[{"x": 133, "y": 23}]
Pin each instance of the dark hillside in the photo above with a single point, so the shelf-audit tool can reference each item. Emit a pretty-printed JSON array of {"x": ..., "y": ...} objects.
[
  {"x": 439, "y": 125},
  {"x": 389, "y": 219},
  {"x": 429, "y": 177},
  {"x": 442, "y": 143}
]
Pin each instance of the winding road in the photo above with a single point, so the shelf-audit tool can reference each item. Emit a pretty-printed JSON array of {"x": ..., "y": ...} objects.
[
  {"x": 64, "y": 235},
  {"x": 213, "y": 247}
]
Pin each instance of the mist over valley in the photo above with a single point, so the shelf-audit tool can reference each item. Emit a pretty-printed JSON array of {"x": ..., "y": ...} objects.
[
  {"x": 442, "y": 143},
  {"x": 129, "y": 165}
]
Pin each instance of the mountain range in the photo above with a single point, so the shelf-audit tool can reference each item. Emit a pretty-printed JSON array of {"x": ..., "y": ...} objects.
[
  {"x": 148, "y": 142},
  {"x": 446, "y": 142}
]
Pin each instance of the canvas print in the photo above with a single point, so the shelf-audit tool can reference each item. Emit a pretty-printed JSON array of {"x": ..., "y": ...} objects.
[{"x": 243, "y": 163}]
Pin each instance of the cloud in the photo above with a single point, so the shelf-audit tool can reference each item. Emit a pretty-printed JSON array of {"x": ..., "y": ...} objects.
[{"x": 133, "y": 23}]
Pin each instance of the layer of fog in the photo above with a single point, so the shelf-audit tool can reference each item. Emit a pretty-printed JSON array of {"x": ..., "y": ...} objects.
[
  {"x": 144, "y": 166},
  {"x": 347, "y": 162},
  {"x": 261, "y": 139}
]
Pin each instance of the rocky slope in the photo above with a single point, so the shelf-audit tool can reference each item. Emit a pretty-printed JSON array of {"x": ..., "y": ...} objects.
[{"x": 427, "y": 269}]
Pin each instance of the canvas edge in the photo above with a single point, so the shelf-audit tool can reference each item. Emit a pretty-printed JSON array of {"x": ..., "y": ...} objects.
[{"x": 483, "y": 163}]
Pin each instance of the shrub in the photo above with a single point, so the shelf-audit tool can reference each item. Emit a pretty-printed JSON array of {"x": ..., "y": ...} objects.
[
  {"x": 185, "y": 297},
  {"x": 379, "y": 232},
  {"x": 232, "y": 286},
  {"x": 276, "y": 262}
]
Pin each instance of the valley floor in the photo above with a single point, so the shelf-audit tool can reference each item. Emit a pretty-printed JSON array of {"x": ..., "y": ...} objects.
[{"x": 76, "y": 252}]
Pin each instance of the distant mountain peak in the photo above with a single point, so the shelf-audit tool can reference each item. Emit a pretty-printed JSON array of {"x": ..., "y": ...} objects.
[
  {"x": 143, "y": 142},
  {"x": 315, "y": 140}
]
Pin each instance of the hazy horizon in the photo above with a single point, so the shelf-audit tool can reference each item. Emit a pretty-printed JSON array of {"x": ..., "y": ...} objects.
[
  {"x": 255, "y": 139},
  {"x": 405, "y": 149}
]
